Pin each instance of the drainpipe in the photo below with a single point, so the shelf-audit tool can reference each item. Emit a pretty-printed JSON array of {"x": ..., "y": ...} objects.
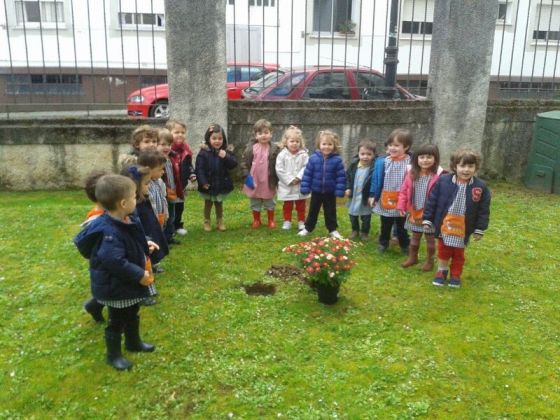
[{"x": 391, "y": 53}]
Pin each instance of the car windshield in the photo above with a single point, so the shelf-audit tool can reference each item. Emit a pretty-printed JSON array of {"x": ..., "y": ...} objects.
[
  {"x": 286, "y": 86},
  {"x": 244, "y": 73}
]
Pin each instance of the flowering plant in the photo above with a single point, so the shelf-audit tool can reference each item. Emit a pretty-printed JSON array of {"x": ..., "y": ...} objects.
[{"x": 326, "y": 260}]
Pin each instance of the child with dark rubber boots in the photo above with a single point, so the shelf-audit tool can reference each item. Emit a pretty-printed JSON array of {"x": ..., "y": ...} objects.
[{"x": 116, "y": 247}]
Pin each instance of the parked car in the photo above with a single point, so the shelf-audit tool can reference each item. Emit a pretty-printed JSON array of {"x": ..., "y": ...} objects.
[
  {"x": 258, "y": 85},
  {"x": 326, "y": 82},
  {"x": 153, "y": 101}
]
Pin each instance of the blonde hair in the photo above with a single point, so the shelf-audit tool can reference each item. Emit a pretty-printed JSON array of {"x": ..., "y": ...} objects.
[
  {"x": 170, "y": 124},
  {"x": 330, "y": 135},
  {"x": 164, "y": 135},
  {"x": 142, "y": 132},
  {"x": 293, "y": 131}
]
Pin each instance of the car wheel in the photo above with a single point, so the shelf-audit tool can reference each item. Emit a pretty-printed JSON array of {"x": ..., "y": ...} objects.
[{"x": 160, "y": 110}]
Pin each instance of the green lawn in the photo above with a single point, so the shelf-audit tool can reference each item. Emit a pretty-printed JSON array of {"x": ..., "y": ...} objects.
[{"x": 393, "y": 346}]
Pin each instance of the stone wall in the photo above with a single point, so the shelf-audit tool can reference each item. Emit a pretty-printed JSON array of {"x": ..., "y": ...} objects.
[{"x": 59, "y": 153}]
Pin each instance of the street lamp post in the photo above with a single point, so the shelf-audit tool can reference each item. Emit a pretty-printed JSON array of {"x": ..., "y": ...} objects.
[{"x": 391, "y": 53}]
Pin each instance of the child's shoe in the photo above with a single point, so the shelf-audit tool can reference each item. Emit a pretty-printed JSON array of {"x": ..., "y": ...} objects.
[
  {"x": 335, "y": 234},
  {"x": 303, "y": 232},
  {"x": 287, "y": 225},
  {"x": 353, "y": 235},
  {"x": 206, "y": 226},
  {"x": 455, "y": 282},
  {"x": 412, "y": 257},
  {"x": 95, "y": 309},
  {"x": 271, "y": 222},
  {"x": 256, "y": 220},
  {"x": 221, "y": 226},
  {"x": 132, "y": 341},
  {"x": 439, "y": 279},
  {"x": 382, "y": 248},
  {"x": 364, "y": 236},
  {"x": 301, "y": 225},
  {"x": 114, "y": 351},
  {"x": 181, "y": 231}
]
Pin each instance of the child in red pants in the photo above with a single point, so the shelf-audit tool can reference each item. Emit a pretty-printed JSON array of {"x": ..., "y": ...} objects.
[{"x": 458, "y": 207}]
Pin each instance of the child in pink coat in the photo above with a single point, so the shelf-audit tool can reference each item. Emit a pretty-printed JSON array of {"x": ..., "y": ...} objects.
[{"x": 418, "y": 183}]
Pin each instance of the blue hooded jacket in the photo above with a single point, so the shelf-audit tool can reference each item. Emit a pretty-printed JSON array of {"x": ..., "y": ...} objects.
[
  {"x": 117, "y": 255},
  {"x": 324, "y": 176}
]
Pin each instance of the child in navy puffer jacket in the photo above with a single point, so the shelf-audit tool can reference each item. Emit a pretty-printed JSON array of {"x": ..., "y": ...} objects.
[{"x": 325, "y": 178}]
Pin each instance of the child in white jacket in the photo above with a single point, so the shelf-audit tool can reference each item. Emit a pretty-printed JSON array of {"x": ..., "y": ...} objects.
[{"x": 290, "y": 165}]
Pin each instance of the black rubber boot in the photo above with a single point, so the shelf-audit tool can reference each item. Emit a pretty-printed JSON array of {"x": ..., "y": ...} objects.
[
  {"x": 95, "y": 309},
  {"x": 132, "y": 338},
  {"x": 114, "y": 354}
]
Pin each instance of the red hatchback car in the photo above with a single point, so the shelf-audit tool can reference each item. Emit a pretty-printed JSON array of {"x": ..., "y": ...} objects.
[
  {"x": 326, "y": 82},
  {"x": 153, "y": 101}
]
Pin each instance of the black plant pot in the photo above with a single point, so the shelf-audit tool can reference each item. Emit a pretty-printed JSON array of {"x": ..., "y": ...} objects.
[{"x": 327, "y": 294}]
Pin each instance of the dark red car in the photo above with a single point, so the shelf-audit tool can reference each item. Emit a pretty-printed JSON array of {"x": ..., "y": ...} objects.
[
  {"x": 153, "y": 101},
  {"x": 326, "y": 82}
]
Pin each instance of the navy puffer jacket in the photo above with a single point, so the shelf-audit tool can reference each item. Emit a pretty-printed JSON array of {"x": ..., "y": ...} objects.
[
  {"x": 324, "y": 176},
  {"x": 117, "y": 255}
]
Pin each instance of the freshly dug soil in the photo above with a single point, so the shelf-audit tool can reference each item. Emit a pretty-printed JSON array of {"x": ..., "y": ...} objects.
[{"x": 260, "y": 289}]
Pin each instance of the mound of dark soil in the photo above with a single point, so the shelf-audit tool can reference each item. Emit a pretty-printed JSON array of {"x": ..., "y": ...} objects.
[{"x": 260, "y": 289}]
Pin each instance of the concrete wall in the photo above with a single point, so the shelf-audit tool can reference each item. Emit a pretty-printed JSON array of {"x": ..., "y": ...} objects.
[{"x": 59, "y": 153}]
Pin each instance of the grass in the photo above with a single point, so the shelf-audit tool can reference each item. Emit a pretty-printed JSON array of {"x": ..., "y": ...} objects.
[{"x": 393, "y": 346}]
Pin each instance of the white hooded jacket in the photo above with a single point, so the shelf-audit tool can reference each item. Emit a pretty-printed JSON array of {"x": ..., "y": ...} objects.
[{"x": 288, "y": 167}]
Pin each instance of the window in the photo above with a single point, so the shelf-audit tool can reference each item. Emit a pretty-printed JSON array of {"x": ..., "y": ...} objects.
[
  {"x": 286, "y": 87},
  {"x": 40, "y": 11},
  {"x": 370, "y": 86},
  {"x": 151, "y": 80},
  {"x": 270, "y": 3},
  {"x": 244, "y": 73},
  {"x": 142, "y": 19},
  {"x": 328, "y": 85},
  {"x": 547, "y": 21},
  {"x": 417, "y": 17},
  {"x": 44, "y": 84},
  {"x": 332, "y": 15}
]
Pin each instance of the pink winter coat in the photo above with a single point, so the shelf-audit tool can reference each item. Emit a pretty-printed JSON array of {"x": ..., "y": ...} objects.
[{"x": 407, "y": 190}]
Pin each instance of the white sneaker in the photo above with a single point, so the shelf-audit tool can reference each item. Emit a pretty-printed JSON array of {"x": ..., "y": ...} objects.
[
  {"x": 301, "y": 225},
  {"x": 303, "y": 232},
  {"x": 334, "y": 234},
  {"x": 286, "y": 225},
  {"x": 181, "y": 232}
]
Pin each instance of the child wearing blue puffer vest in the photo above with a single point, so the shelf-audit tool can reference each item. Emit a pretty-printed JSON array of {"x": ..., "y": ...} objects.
[{"x": 325, "y": 178}]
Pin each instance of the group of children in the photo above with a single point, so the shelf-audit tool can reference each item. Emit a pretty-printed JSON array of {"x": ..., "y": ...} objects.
[{"x": 139, "y": 212}]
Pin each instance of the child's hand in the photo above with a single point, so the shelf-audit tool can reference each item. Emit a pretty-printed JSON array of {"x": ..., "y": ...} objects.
[
  {"x": 426, "y": 228},
  {"x": 222, "y": 153},
  {"x": 192, "y": 178},
  {"x": 147, "y": 279},
  {"x": 371, "y": 201},
  {"x": 152, "y": 246},
  {"x": 477, "y": 236},
  {"x": 206, "y": 187},
  {"x": 402, "y": 213},
  {"x": 295, "y": 181},
  {"x": 347, "y": 193}
]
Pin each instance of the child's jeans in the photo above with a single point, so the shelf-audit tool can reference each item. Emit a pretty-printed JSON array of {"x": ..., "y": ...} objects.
[
  {"x": 457, "y": 256},
  {"x": 355, "y": 222},
  {"x": 169, "y": 228},
  {"x": 387, "y": 225},
  {"x": 257, "y": 204},
  {"x": 328, "y": 201},
  {"x": 289, "y": 206},
  {"x": 120, "y": 317}
]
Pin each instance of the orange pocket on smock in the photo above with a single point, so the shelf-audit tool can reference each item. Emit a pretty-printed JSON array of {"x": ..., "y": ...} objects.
[
  {"x": 161, "y": 219},
  {"x": 454, "y": 225},
  {"x": 415, "y": 216},
  {"x": 389, "y": 199}
]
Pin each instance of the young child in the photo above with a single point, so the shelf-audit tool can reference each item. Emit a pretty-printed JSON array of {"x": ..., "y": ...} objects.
[
  {"x": 91, "y": 306},
  {"x": 358, "y": 184},
  {"x": 140, "y": 175},
  {"x": 143, "y": 138},
  {"x": 290, "y": 165},
  {"x": 457, "y": 207},
  {"x": 170, "y": 177},
  {"x": 325, "y": 179},
  {"x": 182, "y": 164},
  {"x": 418, "y": 183},
  {"x": 388, "y": 175},
  {"x": 213, "y": 163},
  {"x": 116, "y": 248},
  {"x": 258, "y": 166}
]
